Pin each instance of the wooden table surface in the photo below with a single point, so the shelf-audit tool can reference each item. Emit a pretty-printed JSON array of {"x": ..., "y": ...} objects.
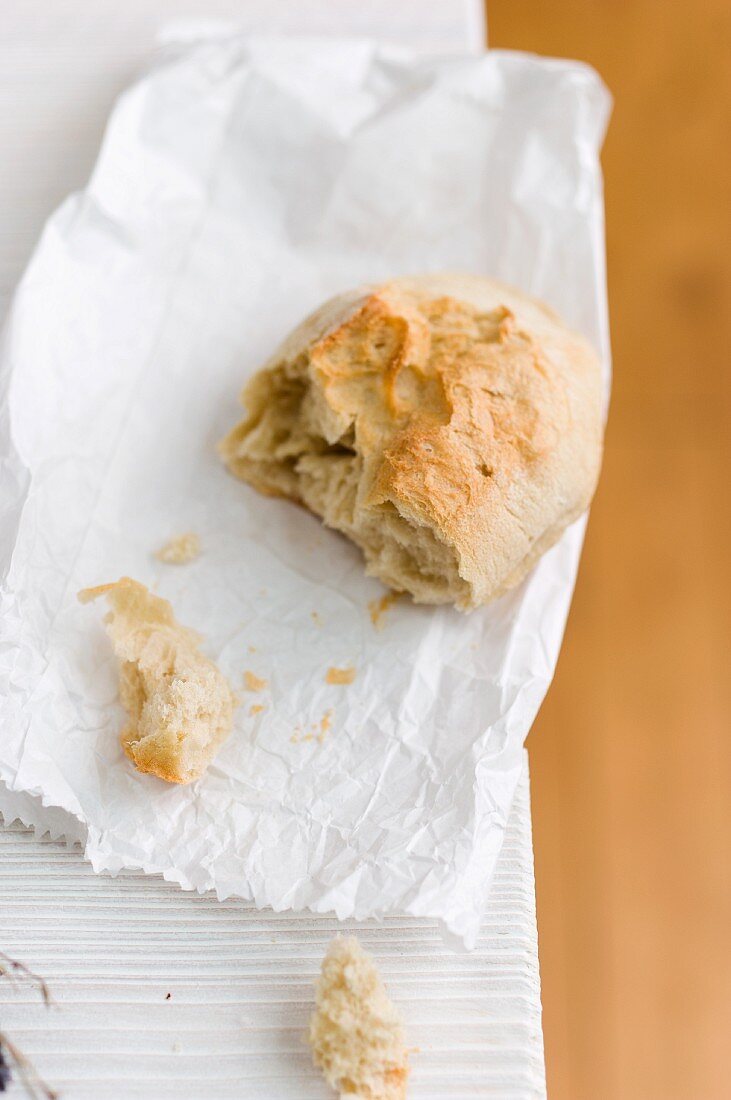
[
  {"x": 163, "y": 994},
  {"x": 631, "y": 755}
]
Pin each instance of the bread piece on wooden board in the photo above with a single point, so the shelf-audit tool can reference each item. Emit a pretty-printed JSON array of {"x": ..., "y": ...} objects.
[
  {"x": 180, "y": 705},
  {"x": 449, "y": 425},
  {"x": 356, "y": 1033}
]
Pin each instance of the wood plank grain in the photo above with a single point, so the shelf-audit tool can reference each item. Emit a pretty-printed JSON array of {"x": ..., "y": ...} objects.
[
  {"x": 631, "y": 754},
  {"x": 161, "y": 993}
]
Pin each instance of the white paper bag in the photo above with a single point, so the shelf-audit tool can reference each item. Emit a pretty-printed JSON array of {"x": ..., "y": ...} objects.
[{"x": 240, "y": 183}]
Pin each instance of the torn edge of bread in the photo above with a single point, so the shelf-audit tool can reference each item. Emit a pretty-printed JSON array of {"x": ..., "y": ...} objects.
[
  {"x": 449, "y": 425},
  {"x": 180, "y": 705},
  {"x": 356, "y": 1033}
]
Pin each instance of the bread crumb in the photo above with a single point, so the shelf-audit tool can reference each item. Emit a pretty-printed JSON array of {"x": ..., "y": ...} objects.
[
  {"x": 255, "y": 708},
  {"x": 251, "y": 648},
  {"x": 339, "y": 675},
  {"x": 318, "y": 730},
  {"x": 316, "y": 618},
  {"x": 325, "y": 724},
  {"x": 253, "y": 682},
  {"x": 378, "y": 608},
  {"x": 356, "y": 1033},
  {"x": 180, "y": 705},
  {"x": 180, "y": 550}
]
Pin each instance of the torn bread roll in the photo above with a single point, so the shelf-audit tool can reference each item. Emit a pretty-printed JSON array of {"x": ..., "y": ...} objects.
[
  {"x": 449, "y": 425},
  {"x": 356, "y": 1034},
  {"x": 180, "y": 706}
]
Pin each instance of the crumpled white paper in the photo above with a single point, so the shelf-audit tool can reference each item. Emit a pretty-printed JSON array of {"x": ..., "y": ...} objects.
[{"x": 240, "y": 183}]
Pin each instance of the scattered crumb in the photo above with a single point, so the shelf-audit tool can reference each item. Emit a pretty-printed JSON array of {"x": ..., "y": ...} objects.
[
  {"x": 325, "y": 724},
  {"x": 251, "y": 648},
  {"x": 340, "y": 675},
  {"x": 168, "y": 996},
  {"x": 317, "y": 731},
  {"x": 255, "y": 708},
  {"x": 316, "y": 618},
  {"x": 180, "y": 549},
  {"x": 177, "y": 1047},
  {"x": 356, "y": 1033},
  {"x": 378, "y": 608},
  {"x": 253, "y": 682}
]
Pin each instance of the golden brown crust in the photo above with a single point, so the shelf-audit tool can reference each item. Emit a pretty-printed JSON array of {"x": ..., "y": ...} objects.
[
  {"x": 180, "y": 706},
  {"x": 451, "y": 426}
]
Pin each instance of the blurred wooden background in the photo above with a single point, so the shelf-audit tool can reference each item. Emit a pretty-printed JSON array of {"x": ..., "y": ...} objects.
[{"x": 631, "y": 755}]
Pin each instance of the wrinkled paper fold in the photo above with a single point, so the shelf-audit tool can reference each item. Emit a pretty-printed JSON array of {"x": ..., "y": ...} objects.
[{"x": 240, "y": 183}]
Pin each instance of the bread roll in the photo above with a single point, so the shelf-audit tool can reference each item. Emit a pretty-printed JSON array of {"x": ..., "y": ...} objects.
[{"x": 447, "y": 424}]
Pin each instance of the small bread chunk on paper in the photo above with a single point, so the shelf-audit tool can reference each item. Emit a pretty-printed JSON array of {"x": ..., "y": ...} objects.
[
  {"x": 180, "y": 549},
  {"x": 180, "y": 705},
  {"x": 356, "y": 1033}
]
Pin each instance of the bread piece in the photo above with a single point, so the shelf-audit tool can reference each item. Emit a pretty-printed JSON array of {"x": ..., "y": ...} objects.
[
  {"x": 448, "y": 425},
  {"x": 180, "y": 706},
  {"x": 180, "y": 549},
  {"x": 356, "y": 1033}
]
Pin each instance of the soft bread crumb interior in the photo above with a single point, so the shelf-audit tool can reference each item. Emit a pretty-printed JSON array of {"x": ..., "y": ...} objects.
[
  {"x": 356, "y": 1032},
  {"x": 282, "y": 450},
  {"x": 179, "y": 705}
]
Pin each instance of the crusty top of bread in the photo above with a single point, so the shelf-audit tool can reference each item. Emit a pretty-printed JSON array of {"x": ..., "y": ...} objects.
[
  {"x": 450, "y": 425},
  {"x": 356, "y": 1033},
  {"x": 180, "y": 706}
]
